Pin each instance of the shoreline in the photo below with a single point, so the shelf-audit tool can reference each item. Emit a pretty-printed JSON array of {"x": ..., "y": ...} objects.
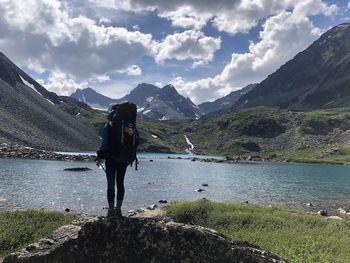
[{"x": 24, "y": 152}]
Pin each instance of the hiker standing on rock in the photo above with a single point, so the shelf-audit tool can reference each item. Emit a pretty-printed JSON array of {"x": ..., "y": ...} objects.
[{"x": 119, "y": 143}]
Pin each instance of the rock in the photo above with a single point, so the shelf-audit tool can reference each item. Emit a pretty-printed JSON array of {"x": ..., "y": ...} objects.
[
  {"x": 322, "y": 213},
  {"x": 162, "y": 201},
  {"x": 78, "y": 169},
  {"x": 140, "y": 210},
  {"x": 152, "y": 207},
  {"x": 132, "y": 212},
  {"x": 67, "y": 210},
  {"x": 342, "y": 211},
  {"x": 309, "y": 205},
  {"x": 114, "y": 240},
  {"x": 335, "y": 217},
  {"x": 151, "y": 160},
  {"x": 246, "y": 202},
  {"x": 199, "y": 190},
  {"x": 205, "y": 184}
]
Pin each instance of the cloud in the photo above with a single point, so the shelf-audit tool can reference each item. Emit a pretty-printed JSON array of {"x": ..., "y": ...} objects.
[
  {"x": 231, "y": 16},
  {"x": 190, "y": 44},
  {"x": 282, "y": 37},
  {"x": 133, "y": 70},
  {"x": 62, "y": 83},
  {"x": 41, "y": 34}
]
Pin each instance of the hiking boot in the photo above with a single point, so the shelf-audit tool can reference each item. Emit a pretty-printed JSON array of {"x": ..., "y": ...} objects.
[
  {"x": 111, "y": 212},
  {"x": 118, "y": 212}
]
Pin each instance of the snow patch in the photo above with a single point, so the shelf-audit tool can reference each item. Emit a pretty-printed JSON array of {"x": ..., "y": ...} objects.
[
  {"x": 78, "y": 114},
  {"x": 149, "y": 99},
  {"x": 245, "y": 102},
  {"x": 147, "y": 111},
  {"x": 164, "y": 118},
  {"x": 49, "y": 101},
  {"x": 154, "y": 136},
  {"x": 29, "y": 85},
  {"x": 140, "y": 109}
]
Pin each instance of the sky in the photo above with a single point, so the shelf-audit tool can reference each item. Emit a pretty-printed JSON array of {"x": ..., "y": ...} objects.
[{"x": 205, "y": 48}]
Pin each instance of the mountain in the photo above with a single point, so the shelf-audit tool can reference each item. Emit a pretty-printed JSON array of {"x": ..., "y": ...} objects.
[
  {"x": 318, "y": 77},
  {"x": 152, "y": 102},
  {"x": 141, "y": 95},
  {"x": 225, "y": 102},
  {"x": 93, "y": 98},
  {"x": 168, "y": 104},
  {"x": 32, "y": 116}
]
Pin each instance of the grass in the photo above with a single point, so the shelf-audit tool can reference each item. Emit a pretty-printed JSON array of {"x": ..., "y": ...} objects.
[
  {"x": 20, "y": 228},
  {"x": 295, "y": 235}
]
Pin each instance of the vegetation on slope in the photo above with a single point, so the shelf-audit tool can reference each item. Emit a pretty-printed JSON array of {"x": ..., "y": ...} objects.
[
  {"x": 298, "y": 236},
  {"x": 20, "y": 228},
  {"x": 269, "y": 133}
]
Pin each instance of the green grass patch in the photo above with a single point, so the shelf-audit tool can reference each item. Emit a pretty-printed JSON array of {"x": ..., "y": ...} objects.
[
  {"x": 20, "y": 228},
  {"x": 328, "y": 113},
  {"x": 295, "y": 235}
]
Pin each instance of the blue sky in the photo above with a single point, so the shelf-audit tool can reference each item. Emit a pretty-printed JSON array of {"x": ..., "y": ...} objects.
[{"x": 206, "y": 49}]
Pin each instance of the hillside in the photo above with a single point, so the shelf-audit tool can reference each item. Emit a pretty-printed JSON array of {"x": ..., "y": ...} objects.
[
  {"x": 317, "y": 136},
  {"x": 32, "y": 116},
  {"x": 225, "y": 102},
  {"x": 318, "y": 77}
]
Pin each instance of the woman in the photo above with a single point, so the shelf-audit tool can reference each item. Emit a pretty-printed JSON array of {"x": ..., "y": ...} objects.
[{"x": 115, "y": 171}]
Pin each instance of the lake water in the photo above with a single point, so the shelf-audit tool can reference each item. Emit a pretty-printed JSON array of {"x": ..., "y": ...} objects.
[{"x": 44, "y": 184}]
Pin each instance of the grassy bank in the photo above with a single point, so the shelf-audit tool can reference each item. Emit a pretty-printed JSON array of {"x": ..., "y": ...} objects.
[
  {"x": 20, "y": 228},
  {"x": 295, "y": 235}
]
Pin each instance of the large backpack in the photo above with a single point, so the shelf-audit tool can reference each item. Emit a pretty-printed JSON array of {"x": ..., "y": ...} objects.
[{"x": 123, "y": 135}]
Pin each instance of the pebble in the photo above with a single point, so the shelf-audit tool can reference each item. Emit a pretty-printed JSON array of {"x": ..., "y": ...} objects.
[
  {"x": 152, "y": 207},
  {"x": 342, "y": 211},
  {"x": 335, "y": 217},
  {"x": 140, "y": 210},
  {"x": 246, "y": 202},
  {"x": 199, "y": 190},
  {"x": 322, "y": 213},
  {"x": 309, "y": 205},
  {"x": 67, "y": 210},
  {"x": 151, "y": 160},
  {"x": 162, "y": 201},
  {"x": 205, "y": 184}
]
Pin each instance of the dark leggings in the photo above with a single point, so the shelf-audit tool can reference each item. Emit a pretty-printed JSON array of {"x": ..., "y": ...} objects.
[{"x": 115, "y": 174}]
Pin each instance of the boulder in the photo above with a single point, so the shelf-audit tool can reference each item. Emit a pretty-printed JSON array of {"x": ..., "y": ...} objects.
[
  {"x": 138, "y": 240},
  {"x": 322, "y": 213},
  {"x": 77, "y": 169},
  {"x": 342, "y": 211}
]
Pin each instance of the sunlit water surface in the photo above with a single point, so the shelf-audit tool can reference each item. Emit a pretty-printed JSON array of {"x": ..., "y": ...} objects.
[{"x": 44, "y": 184}]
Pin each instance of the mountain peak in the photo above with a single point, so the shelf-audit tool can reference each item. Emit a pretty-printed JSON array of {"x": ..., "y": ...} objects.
[
  {"x": 317, "y": 77},
  {"x": 169, "y": 90}
]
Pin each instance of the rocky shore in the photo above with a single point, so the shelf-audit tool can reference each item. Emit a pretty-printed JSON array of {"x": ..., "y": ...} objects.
[{"x": 18, "y": 151}]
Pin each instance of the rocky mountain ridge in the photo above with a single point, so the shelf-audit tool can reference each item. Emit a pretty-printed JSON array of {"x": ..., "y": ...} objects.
[
  {"x": 32, "y": 116},
  {"x": 318, "y": 77}
]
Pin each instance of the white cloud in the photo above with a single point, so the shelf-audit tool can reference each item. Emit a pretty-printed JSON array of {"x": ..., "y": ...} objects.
[
  {"x": 133, "y": 70},
  {"x": 62, "y": 84},
  {"x": 282, "y": 37},
  {"x": 349, "y": 5},
  {"x": 190, "y": 44},
  {"x": 231, "y": 16},
  {"x": 186, "y": 18},
  {"x": 42, "y": 35}
]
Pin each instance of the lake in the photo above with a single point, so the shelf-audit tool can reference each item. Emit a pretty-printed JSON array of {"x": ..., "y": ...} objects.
[{"x": 44, "y": 184}]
